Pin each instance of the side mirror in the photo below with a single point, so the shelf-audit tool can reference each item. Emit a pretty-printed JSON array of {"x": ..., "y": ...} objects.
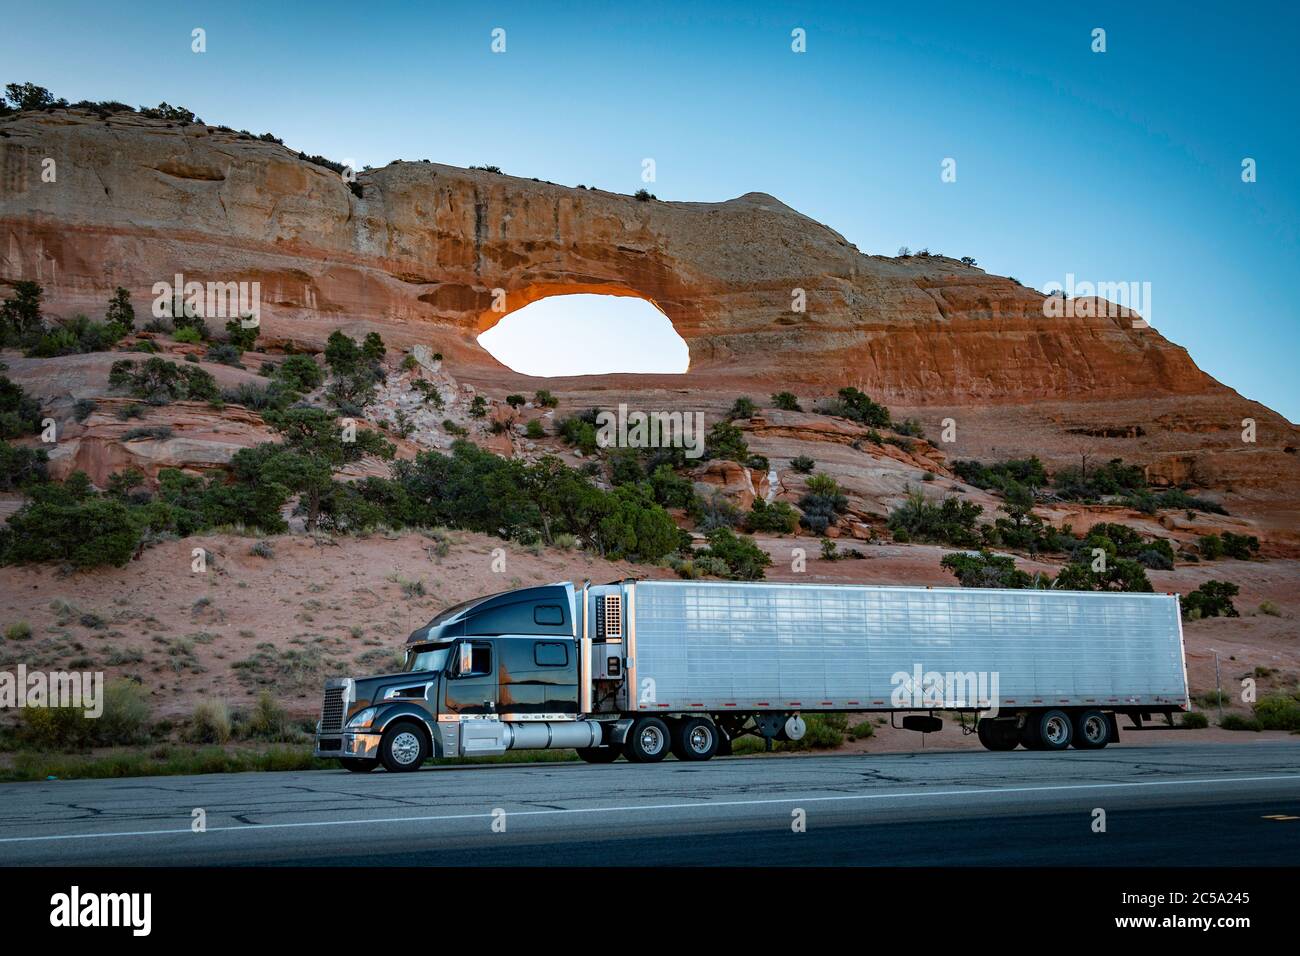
[{"x": 465, "y": 663}]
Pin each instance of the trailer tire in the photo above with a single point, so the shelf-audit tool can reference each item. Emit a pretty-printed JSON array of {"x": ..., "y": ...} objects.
[
  {"x": 598, "y": 754},
  {"x": 403, "y": 747},
  {"x": 997, "y": 736},
  {"x": 1048, "y": 730},
  {"x": 1091, "y": 730},
  {"x": 648, "y": 741},
  {"x": 695, "y": 738},
  {"x": 358, "y": 764}
]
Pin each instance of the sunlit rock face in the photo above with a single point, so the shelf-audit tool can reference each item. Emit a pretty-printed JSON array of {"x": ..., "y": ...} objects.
[{"x": 765, "y": 298}]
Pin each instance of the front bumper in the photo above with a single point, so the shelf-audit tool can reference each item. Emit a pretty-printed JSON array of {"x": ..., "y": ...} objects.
[{"x": 347, "y": 744}]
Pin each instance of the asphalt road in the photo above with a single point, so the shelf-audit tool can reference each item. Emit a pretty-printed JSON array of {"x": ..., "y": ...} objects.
[{"x": 1207, "y": 805}]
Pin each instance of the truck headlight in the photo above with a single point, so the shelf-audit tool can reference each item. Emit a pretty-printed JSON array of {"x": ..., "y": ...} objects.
[{"x": 364, "y": 718}]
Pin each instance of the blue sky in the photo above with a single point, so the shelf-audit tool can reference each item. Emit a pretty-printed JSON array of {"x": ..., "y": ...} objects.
[{"x": 1120, "y": 166}]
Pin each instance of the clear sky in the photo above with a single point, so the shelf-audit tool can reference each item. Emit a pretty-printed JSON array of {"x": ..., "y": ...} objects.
[{"x": 1118, "y": 166}]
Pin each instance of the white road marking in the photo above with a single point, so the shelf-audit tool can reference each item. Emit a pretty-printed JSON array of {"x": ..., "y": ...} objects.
[{"x": 653, "y": 806}]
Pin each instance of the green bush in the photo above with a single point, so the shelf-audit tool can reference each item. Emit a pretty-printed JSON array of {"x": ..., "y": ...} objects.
[
  {"x": 124, "y": 720},
  {"x": 210, "y": 723},
  {"x": 727, "y": 442},
  {"x": 1194, "y": 720},
  {"x": 545, "y": 399},
  {"x": 986, "y": 570},
  {"x": 743, "y": 407},
  {"x": 21, "y": 466},
  {"x": 1278, "y": 712},
  {"x": 1026, "y": 472},
  {"x": 777, "y": 517},
  {"x": 299, "y": 373},
  {"x": 70, "y": 523},
  {"x": 856, "y": 406},
  {"x": 19, "y": 413},
  {"x": 534, "y": 429},
  {"x": 188, "y": 335},
  {"x": 952, "y": 521},
  {"x": 744, "y": 559},
  {"x": 786, "y": 401},
  {"x": 802, "y": 464},
  {"x": 1211, "y": 599},
  {"x": 159, "y": 381}
]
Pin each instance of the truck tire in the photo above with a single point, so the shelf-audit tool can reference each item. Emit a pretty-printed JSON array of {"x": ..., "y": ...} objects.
[
  {"x": 598, "y": 754},
  {"x": 358, "y": 764},
  {"x": 695, "y": 738},
  {"x": 1048, "y": 730},
  {"x": 648, "y": 741},
  {"x": 997, "y": 736},
  {"x": 403, "y": 747},
  {"x": 1091, "y": 730}
]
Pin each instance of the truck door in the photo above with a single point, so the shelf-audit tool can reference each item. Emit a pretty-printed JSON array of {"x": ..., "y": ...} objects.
[
  {"x": 537, "y": 678},
  {"x": 472, "y": 692}
]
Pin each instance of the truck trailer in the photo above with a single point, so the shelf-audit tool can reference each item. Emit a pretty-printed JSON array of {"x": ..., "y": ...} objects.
[{"x": 641, "y": 669}]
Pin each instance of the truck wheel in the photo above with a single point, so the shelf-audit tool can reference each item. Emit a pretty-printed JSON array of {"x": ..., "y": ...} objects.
[
  {"x": 403, "y": 747},
  {"x": 598, "y": 754},
  {"x": 1050, "y": 730},
  {"x": 995, "y": 736},
  {"x": 695, "y": 738},
  {"x": 358, "y": 764},
  {"x": 647, "y": 741},
  {"x": 1091, "y": 730}
]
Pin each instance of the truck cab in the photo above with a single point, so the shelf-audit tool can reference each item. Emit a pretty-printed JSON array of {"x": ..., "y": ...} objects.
[{"x": 491, "y": 674}]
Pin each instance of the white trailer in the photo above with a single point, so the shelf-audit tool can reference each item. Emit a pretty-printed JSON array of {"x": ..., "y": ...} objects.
[{"x": 643, "y": 668}]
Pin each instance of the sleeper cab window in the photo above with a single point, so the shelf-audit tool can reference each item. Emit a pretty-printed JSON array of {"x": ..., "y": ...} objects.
[
  {"x": 550, "y": 655},
  {"x": 548, "y": 614}
]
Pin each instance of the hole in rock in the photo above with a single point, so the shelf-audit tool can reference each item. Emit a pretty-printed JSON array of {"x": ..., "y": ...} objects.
[{"x": 582, "y": 334}]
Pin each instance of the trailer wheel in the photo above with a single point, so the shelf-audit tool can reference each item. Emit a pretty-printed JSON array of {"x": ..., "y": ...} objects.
[
  {"x": 647, "y": 741},
  {"x": 403, "y": 747},
  {"x": 358, "y": 764},
  {"x": 1049, "y": 730},
  {"x": 997, "y": 736},
  {"x": 695, "y": 738},
  {"x": 598, "y": 754},
  {"x": 1091, "y": 730}
]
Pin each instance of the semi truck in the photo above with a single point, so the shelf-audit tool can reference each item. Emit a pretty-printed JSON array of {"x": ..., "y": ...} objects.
[{"x": 643, "y": 668}]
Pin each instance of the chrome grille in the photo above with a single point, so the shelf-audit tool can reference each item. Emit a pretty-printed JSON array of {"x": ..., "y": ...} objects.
[{"x": 331, "y": 714}]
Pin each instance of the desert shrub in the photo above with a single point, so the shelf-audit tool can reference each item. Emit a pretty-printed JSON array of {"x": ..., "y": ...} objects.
[
  {"x": 952, "y": 521},
  {"x": 642, "y": 195},
  {"x": 268, "y": 721},
  {"x": 534, "y": 429},
  {"x": 1278, "y": 712},
  {"x": 159, "y": 381},
  {"x": 124, "y": 720},
  {"x": 1090, "y": 484},
  {"x": 861, "y": 730},
  {"x": 1194, "y": 720},
  {"x": 210, "y": 723},
  {"x": 20, "y": 317},
  {"x": 545, "y": 399},
  {"x": 70, "y": 523},
  {"x": 1119, "y": 574},
  {"x": 21, "y": 466},
  {"x": 742, "y": 407},
  {"x": 670, "y": 489},
  {"x": 1269, "y": 608},
  {"x": 802, "y": 464},
  {"x": 725, "y": 441},
  {"x": 225, "y": 355},
  {"x": 516, "y": 401},
  {"x": 786, "y": 401},
  {"x": 18, "y": 631},
  {"x": 777, "y": 517},
  {"x": 262, "y": 549},
  {"x": 1240, "y": 546},
  {"x": 259, "y": 398},
  {"x": 909, "y": 427},
  {"x": 1027, "y": 472},
  {"x": 478, "y": 408},
  {"x": 77, "y": 336},
  {"x": 241, "y": 337},
  {"x": 188, "y": 335},
  {"x": 1211, "y": 599},
  {"x": 580, "y": 431},
  {"x": 1155, "y": 560},
  {"x": 986, "y": 570},
  {"x": 717, "y": 511},
  {"x": 298, "y": 373},
  {"x": 852, "y": 404},
  {"x": 744, "y": 559},
  {"x": 20, "y": 414}
]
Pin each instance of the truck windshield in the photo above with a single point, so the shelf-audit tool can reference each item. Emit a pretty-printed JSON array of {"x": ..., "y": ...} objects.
[{"x": 428, "y": 657}]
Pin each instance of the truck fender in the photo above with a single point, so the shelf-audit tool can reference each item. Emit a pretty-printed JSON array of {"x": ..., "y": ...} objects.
[{"x": 400, "y": 709}]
